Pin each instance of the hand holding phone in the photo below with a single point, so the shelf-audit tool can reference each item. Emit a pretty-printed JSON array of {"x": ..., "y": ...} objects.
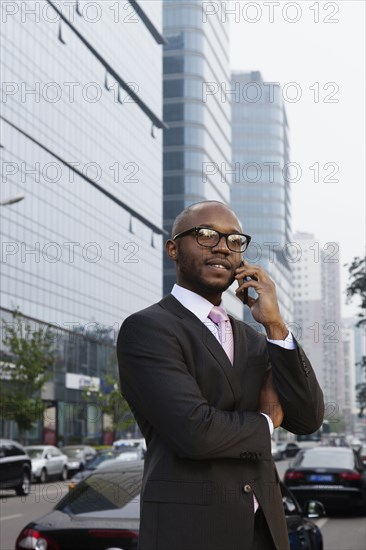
[{"x": 244, "y": 294}]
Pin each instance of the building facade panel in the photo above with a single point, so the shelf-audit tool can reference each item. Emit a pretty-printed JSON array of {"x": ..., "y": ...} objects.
[
  {"x": 260, "y": 190},
  {"x": 82, "y": 143},
  {"x": 197, "y": 145}
]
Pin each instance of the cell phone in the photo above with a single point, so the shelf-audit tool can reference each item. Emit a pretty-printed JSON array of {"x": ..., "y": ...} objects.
[{"x": 244, "y": 294}]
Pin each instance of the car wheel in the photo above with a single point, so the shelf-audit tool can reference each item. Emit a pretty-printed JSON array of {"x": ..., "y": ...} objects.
[
  {"x": 43, "y": 476},
  {"x": 24, "y": 487},
  {"x": 64, "y": 474}
]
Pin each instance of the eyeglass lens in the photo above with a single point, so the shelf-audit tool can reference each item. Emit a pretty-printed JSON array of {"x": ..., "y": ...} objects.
[{"x": 210, "y": 237}]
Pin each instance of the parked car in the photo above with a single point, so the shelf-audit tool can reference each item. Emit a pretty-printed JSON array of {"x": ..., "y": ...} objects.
[
  {"x": 47, "y": 461},
  {"x": 275, "y": 450},
  {"x": 78, "y": 456},
  {"x": 103, "y": 511},
  {"x": 130, "y": 453},
  {"x": 333, "y": 475},
  {"x": 362, "y": 453},
  {"x": 100, "y": 458},
  {"x": 131, "y": 442},
  {"x": 15, "y": 467},
  {"x": 288, "y": 449}
]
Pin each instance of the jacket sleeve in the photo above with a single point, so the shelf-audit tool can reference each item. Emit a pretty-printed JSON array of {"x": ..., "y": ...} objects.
[
  {"x": 158, "y": 386},
  {"x": 298, "y": 389}
]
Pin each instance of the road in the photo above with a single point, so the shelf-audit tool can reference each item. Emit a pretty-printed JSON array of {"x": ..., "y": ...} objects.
[
  {"x": 339, "y": 533},
  {"x": 16, "y": 512}
]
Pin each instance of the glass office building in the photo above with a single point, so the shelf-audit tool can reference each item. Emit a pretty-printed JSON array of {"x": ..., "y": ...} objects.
[
  {"x": 82, "y": 143},
  {"x": 261, "y": 178},
  {"x": 197, "y": 145}
]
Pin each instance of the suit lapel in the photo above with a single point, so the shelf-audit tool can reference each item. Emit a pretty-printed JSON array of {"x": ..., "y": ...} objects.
[{"x": 232, "y": 372}]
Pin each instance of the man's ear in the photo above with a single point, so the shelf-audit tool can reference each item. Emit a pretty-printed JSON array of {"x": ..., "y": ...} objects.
[{"x": 171, "y": 249}]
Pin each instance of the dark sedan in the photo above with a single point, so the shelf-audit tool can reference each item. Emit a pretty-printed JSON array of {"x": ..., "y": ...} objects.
[
  {"x": 333, "y": 475},
  {"x": 100, "y": 458},
  {"x": 288, "y": 449},
  {"x": 15, "y": 467},
  {"x": 103, "y": 511}
]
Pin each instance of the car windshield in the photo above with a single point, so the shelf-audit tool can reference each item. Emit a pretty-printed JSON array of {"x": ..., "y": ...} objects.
[
  {"x": 103, "y": 491},
  {"x": 34, "y": 453},
  {"x": 72, "y": 453},
  {"x": 325, "y": 459}
]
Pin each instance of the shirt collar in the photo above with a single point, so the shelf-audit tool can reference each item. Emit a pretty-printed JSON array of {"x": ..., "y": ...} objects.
[{"x": 195, "y": 303}]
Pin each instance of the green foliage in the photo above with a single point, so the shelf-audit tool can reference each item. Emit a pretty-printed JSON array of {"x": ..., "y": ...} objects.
[
  {"x": 110, "y": 401},
  {"x": 24, "y": 370},
  {"x": 357, "y": 287},
  {"x": 361, "y": 388}
]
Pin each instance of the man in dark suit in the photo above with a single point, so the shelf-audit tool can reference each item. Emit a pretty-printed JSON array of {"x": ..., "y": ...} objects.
[{"x": 206, "y": 393}]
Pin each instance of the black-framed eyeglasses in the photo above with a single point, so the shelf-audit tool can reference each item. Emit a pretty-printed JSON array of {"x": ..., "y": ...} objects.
[{"x": 206, "y": 236}]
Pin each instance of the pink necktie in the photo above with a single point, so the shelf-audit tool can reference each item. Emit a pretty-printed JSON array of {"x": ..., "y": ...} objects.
[{"x": 219, "y": 316}]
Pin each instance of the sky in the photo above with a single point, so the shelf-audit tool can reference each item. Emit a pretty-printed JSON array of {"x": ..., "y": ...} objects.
[{"x": 319, "y": 60}]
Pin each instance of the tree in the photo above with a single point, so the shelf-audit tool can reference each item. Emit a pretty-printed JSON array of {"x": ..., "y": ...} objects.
[
  {"x": 108, "y": 398},
  {"x": 25, "y": 368},
  {"x": 110, "y": 402},
  {"x": 357, "y": 287}
]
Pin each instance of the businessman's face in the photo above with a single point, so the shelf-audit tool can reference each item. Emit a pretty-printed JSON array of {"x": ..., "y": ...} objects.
[{"x": 208, "y": 271}]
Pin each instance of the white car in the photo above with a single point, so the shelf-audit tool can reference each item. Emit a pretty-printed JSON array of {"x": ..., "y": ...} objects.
[
  {"x": 131, "y": 442},
  {"x": 276, "y": 455},
  {"x": 47, "y": 461},
  {"x": 78, "y": 456}
]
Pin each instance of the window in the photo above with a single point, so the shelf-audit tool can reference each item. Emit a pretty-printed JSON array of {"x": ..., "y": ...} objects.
[
  {"x": 174, "y": 64},
  {"x": 173, "y": 88},
  {"x": 174, "y": 111}
]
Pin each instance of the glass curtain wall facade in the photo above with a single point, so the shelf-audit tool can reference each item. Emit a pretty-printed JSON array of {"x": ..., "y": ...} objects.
[
  {"x": 261, "y": 192},
  {"x": 197, "y": 145},
  {"x": 82, "y": 143}
]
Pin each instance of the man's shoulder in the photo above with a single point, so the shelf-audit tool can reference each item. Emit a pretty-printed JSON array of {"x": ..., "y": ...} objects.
[{"x": 156, "y": 310}]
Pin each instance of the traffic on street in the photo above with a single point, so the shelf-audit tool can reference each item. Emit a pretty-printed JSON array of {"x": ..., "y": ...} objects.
[{"x": 340, "y": 530}]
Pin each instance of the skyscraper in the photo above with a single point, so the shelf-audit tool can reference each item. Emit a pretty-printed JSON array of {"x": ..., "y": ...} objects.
[
  {"x": 349, "y": 369},
  {"x": 82, "y": 142},
  {"x": 197, "y": 145},
  {"x": 307, "y": 298},
  {"x": 317, "y": 300},
  {"x": 261, "y": 175},
  {"x": 331, "y": 328}
]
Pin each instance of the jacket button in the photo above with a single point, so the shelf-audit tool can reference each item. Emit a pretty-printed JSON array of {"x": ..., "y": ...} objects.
[{"x": 247, "y": 488}]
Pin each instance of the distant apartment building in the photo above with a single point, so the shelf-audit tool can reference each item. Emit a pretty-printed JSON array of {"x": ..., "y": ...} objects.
[
  {"x": 353, "y": 357},
  {"x": 333, "y": 362},
  {"x": 197, "y": 144},
  {"x": 82, "y": 143},
  {"x": 260, "y": 192},
  {"x": 349, "y": 371},
  {"x": 307, "y": 298},
  {"x": 317, "y": 301}
]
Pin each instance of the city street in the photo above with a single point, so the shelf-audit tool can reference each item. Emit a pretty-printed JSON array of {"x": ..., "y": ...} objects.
[
  {"x": 339, "y": 533},
  {"x": 16, "y": 512}
]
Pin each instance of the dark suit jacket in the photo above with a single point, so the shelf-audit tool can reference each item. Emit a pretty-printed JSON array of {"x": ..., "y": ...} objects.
[{"x": 208, "y": 448}]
